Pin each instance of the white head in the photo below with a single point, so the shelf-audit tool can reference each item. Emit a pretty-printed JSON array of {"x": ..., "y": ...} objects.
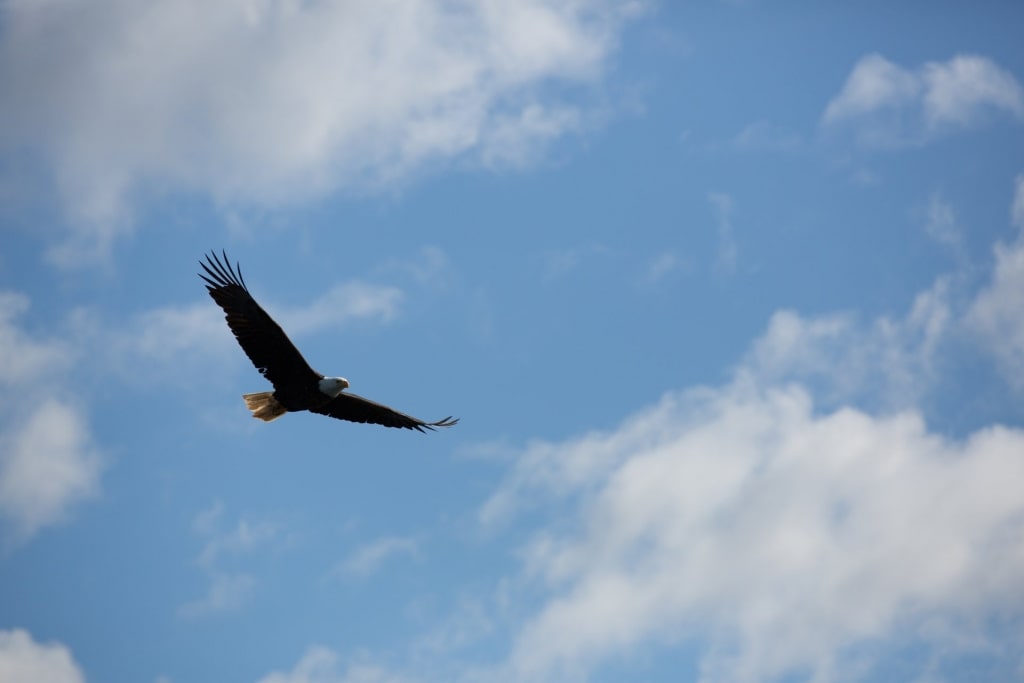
[{"x": 332, "y": 386}]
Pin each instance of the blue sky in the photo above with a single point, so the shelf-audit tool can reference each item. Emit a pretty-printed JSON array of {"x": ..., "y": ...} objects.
[{"x": 729, "y": 298}]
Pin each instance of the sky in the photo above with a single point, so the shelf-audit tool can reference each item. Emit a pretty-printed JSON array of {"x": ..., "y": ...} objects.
[{"x": 728, "y": 296}]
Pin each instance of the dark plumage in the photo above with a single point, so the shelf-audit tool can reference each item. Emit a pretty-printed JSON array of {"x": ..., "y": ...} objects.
[{"x": 296, "y": 385}]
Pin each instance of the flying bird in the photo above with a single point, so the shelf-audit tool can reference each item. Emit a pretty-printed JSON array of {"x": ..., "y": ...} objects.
[{"x": 296, "y": 385}]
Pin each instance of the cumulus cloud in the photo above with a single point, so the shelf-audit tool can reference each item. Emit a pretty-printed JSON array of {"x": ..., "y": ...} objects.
[
  {"x": 48, "y": 462},
  {"x": 960, "y": 91},
  {"x": 886, "y": 363},
  {"x": 785, "y": 537},
  {"x": 23, "y": 659},
  {"x": 875, "y": 83},
  {"x": 270, "y": 102},
  {"x": 889, "y": 104},
  {"x": 47, "y": 467}
]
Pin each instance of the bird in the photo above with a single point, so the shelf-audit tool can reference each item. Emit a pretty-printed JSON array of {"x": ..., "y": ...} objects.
[{"x": 297, "y": 386}]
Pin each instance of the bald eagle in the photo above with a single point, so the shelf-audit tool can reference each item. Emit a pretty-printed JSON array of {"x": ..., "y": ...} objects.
[{"x": 296, "y": 385}]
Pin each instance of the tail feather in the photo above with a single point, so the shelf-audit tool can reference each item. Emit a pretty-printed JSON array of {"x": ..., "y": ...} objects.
[{"x": 264, "y": 406}]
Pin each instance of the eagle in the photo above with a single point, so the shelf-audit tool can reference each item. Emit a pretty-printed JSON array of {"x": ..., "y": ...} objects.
[{"x": 297, "y": 386}]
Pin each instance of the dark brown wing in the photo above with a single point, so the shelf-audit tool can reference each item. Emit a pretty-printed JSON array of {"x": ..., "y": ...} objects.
[
  {"x": 262, "y": 339},
  {"x": 355, "y": 408}
]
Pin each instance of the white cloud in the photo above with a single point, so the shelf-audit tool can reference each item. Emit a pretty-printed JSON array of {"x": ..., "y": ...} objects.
[
  {"x": 891, "y": 105},
  {"x": 272, "y": 102},
  {"x": 997, "y": 313},
  {"x": 35, "y": 357},
  {"x": 166, "y": 334},
  {"x": 784, "y": 537},
  {"x": 875, "y": 83},
  {"x": 367, "y": 558},
  {"x": 960, "y": 91},
  {"x": 48, "y": 465},
  {"x": 48, "y": 462},
  {"x": 886, "y": 364},
  {"x": 23, "y": 659},
  {"x": 320, "y": 665}
]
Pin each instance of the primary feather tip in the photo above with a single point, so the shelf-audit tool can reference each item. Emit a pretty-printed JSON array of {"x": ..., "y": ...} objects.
[{"x": 447, "y": 422}]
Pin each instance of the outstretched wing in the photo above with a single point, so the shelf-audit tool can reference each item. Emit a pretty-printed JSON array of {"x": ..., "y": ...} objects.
[
  {"x": 355, "y": 408},
  {"x": 262, "y": 339}
]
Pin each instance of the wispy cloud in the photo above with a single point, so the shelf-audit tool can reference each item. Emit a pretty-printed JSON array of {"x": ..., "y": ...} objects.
[
  {"x": 322, "y": 665},
  {"x": 429, "y": 266},
  {"x": 228, "y": 590},
  {"x": 725, "y": 261},
  {"x": 558, "y": 263},
  {"x": 661, "y": 266},
  {"x": 22, "y": 658},
  {"x": 273, "y": 103},
  {"x": 245, "y": 537},
  {"x": 887, "y": 104},
  {"x": 997, "y": 313},
  {"x": 342, "y": 304},
  {"x": 225, "y": 593},
  {"x": 368, "y": 558},
  {"x": 48, "y": 460},
  {"x": 940, "y": 222},
  {"x": 763, "y": 135},
  {"x": 167, "y": 338}
]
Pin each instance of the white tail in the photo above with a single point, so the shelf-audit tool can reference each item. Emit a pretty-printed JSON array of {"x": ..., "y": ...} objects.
[{"x": 264, "y": 406}]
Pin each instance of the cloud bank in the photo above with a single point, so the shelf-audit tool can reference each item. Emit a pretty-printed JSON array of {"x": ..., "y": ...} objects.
[
  {"x": 275, "y": 101},
  {"x": 788, "y": 539}
]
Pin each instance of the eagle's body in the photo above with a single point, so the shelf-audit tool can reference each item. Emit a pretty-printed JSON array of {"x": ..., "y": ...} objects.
[{"x": 297, "y": 386}]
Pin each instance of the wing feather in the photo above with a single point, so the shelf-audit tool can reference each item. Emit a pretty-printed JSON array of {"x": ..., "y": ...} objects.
[
  {"x": 355, "y": 408},
  {"x": 262, "y": 339}
]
